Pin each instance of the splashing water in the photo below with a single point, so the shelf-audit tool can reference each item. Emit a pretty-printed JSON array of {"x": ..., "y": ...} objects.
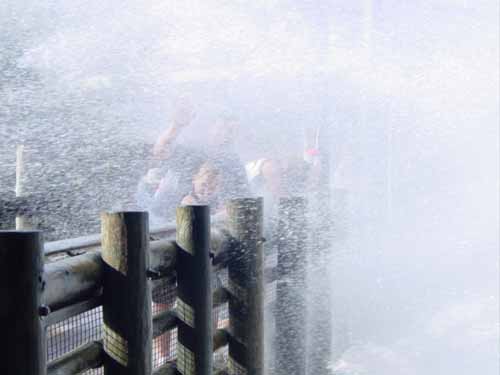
[{"x": 408, "y": 91}]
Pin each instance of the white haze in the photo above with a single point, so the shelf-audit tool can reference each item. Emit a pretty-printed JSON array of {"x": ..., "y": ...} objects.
[{"x": 411, "y": 88}]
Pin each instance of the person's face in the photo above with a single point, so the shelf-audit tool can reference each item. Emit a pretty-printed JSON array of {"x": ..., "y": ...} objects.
[{"x": 206, "y": 183}]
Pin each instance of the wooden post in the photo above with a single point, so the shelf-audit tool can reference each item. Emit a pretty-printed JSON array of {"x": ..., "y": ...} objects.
[
  {"x": 127, "y": 330},
  {"x": 291, "y": 306},
  {"x": 246, "y": 286},
  {"x": 21, "y": 284},
  {"x": 22, "y": 221},
  {"x": 194, "y": 291}
]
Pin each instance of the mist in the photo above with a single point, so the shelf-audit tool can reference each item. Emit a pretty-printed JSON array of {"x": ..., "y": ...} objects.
[{"x": 409, "y": 93}]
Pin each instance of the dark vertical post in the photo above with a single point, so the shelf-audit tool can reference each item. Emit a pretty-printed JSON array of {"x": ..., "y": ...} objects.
[
  {"x": 246, "y": 286},
  {"x": 290, "y": 290},
  {"x": 127, "y": 331},
  {"x": 194, "y": 291},
  {"x": 21, "y": 284}
]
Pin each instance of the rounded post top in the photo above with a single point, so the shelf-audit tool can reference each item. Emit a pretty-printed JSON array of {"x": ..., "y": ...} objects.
[
  {"x": 249, "y": 201},
  {"x": 21, "y": 235},
  {"x": 19, "y": 232},
  {"x": 124, "y": 213}
]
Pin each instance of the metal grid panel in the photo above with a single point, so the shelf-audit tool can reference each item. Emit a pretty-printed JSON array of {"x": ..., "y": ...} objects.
[
  {"x": 69, "y": 334},
  {"x": 164, "y": 298}
]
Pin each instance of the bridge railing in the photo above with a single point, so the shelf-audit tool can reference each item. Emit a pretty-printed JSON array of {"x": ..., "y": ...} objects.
[{"x": 109, "y": 287}]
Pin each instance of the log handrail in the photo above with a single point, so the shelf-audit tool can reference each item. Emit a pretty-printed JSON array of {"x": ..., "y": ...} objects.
[{"x": 93, "y": 241}]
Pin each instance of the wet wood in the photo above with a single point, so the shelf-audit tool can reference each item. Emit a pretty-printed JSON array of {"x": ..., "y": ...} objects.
[
  {"x": 72, "y": 280},
  {"x": 246, "y": 286},
  {"x": 127, "y": 320},
  {"x": 290, "y": 311},
  {"x": 163, "y": 322},
  {"x": 194, "y": 291},
  {"x": 86, "y": 357},
  {"x": 21, "y": 284}
]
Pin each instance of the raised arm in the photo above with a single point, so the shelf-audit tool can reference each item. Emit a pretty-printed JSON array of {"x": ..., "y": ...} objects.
[{"x": 183, "y": 117}]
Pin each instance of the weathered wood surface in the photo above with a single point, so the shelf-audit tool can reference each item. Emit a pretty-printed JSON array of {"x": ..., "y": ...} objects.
[
  {"x": 92, "y": 241},
  {"x": 75, "y": 279},
  {"x": 194, "y": 291},
  {"x": 22, "y": 220},
  {"x": 86, "y": 357},
  {"x": 290, "y": 312},
  {"x": 72, "y": 279},
  {"x": 246, "y": 286},
  {"x": 72, "y": 310},
  {"x": 21, "y": 283},
  {"x": 220, "y": 296},
  {"x": 163, "y": 322},
  {"x": 168, "y": 369},
  {"x": 162, "y": 255},
  {"x": 127, "y": 320},
  {"x": 221, "y": 337}
]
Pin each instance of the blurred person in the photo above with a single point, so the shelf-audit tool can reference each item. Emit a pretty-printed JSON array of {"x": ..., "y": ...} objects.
[
  {"x": 219, "y": 149},
  {"x": 207, "y": 183},
  {"x": 164, "y": 186},
  {"x": 265, "y": 178}
]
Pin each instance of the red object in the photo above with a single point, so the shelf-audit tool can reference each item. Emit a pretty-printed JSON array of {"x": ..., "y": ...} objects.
[{"x": 312, "y": 152}]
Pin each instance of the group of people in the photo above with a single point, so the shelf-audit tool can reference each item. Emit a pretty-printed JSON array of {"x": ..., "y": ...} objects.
[
  {"x": 215, "y": 173},
  {"x": 212, "y": 175}
]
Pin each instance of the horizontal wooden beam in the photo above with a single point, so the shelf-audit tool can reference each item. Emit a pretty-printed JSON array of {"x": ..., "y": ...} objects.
[
  {"x": 220, "y": 296},
  {"x": 168, "y": 369},
  {"x": 162, "y": 256},
  {"x": 221, "y": 337},
  {"x": 84, "y": 358},
  {"x": 78, "y": 278},
  {"x": 72, "y": 279},
  {"x": 164, "y": 322},
  {"x": 86, "y": 243},
  {"x": 67, "y": 312}
]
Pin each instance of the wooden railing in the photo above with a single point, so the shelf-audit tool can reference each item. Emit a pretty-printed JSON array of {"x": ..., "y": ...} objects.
[{"x": 114, "y": 271}]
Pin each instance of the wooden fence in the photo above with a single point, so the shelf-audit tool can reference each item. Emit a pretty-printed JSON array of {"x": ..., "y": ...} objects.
[{"x": 115, "y": 271}]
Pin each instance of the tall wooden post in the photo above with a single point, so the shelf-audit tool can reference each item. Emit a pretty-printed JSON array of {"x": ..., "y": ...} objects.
[
  {"x": 194, "y": 291},
  {"x": 22, "y": 221},
  {"x": 127, "y": 316},
  {"x": 291, "y": 288},
  {"x": 21, "y": 284},
  {"x": 246, "y": 286}
]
